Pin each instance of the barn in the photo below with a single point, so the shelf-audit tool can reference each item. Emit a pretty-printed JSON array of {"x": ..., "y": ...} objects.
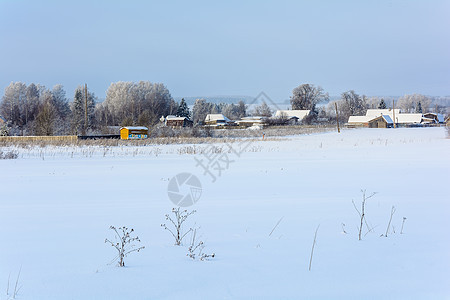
[
  {"x": 133, "y": 133},
  {"x": 358, "y": 121},
  {"x": 251, "y": 121},
  {"x": 174, "y": 121},
  {"x": 383, "y": 121},
  {"x": 217, "y": 120},
  {"x": 434, "y": 118}
]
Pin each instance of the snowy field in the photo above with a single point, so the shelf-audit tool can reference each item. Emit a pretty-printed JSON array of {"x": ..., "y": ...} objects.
[{"x": 57, "y": 204}]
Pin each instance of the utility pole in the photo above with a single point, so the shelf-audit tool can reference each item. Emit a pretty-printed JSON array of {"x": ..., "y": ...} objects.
[
  {"x": 337, "y": 118},
  {"x": 85, "y": 109},
  {"x": 393, "y": 112}
]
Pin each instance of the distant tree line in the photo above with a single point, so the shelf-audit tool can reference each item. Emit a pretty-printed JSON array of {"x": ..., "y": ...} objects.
[
  {"x": 232, "y": 111},
  {"x": 37, "y": 110}
]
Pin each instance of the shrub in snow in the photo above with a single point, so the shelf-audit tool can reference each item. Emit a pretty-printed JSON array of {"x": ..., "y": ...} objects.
[
  {"x": 123, "y": 243},
  {"x": 389, "y": 224},
  {"x": 13, "y": 294},
  {"x": 362, "y": 213},
  {"x": 196, "y": 250},
  {"x": 4, "y": 130},
  {"x": 9, "y": 155},
  {"x": 403, "y": 223},
  {"x": 177, "y": 222}
]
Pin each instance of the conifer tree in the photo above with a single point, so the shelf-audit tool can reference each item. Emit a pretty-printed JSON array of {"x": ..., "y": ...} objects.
[
  {"x": 419, "y": 107},
  {"x": 183, "y": 110},
  {"x": 382, "y": 104}
]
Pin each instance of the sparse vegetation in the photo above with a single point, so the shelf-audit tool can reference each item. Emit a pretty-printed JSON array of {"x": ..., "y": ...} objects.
[
  {"x": 13, "y": 294},
  {"x": 195, "y": 250},
  {"x": 403, "y": 223},
  {"x": 362, "y": 213},
  {"x": 177, "y": 222},
  {"x": 390, "y": 220},
  {"x": 13, "y": 154},
  {"x": 312, "y": 248},
  {"x": 123, "y": 243}
]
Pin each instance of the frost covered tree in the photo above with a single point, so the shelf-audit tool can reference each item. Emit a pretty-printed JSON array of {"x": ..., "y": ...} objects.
[
  {"x": 408, "y": 103},
  {"x": 60, "y": 101},
  {"x": 307, "y": 96},
  {"x": 32, "y": 103},
  {"x": 263, "y": 110},
  {"x": 47, "y": 115},
  {"x": 241, "y": 109},
  {"x": 202, "y": 108},
  {"x": 22, "y": 105},
  {"x": 352, "y": 104},
  {"x": 52, "y": 113},
  {"x": 129, "y": 101},
  {"x": 183, "y": 110},
  {"x": 230, "y": 110},
  {"x": 13, "y": 104}
]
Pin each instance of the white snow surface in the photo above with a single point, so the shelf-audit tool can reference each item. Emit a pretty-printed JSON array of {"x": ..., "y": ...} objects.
[{"x": 57, "y": 203}]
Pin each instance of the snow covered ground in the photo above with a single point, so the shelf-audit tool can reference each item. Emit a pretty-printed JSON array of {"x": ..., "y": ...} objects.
[{"x": 56, "y": 206}]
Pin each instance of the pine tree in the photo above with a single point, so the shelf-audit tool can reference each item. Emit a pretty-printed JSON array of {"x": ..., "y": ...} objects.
[
  {"x": 78, "y": 112},
  {"x": 419, "y": 107},
  {"x": 382, "y": 104},
  {"x": 183, "y": 110}
]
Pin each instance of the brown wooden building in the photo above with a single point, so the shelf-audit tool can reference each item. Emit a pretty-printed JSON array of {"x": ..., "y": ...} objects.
[
  {"x": 383, "y": 121},
  {"x": 173, "y": 121}
]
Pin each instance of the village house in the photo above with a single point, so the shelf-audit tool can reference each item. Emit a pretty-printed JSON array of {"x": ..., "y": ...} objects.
[
  {"x": 402, "y": 120},
  {"x": 251, "y": 121},
  {"x": 292, "y": 116},
  {"x": 358, "y": 121},
  {"x": 174, "y": 121},
  {"x": 437, "y": 118},
  {"x": 392, "y": 113},
  {"x": 382, "y": 121},
  {"x": 217, "y": 120}
]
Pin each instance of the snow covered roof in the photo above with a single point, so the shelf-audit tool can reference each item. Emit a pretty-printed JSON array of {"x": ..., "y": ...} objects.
[
  {"x": 358, "y": 119},
  {"x": 366, "y": 119},
  {"x": 253, "y": 118},
  {"x": 428, "y": 120},
  {"x": 408, "y": 118},
  {"x": 387, "y": 119},
  {"x": 300, "y": 114},
  {"x": 379, "y": 112},
  {"x": 134, "y": 128},
  {"x": 253, "y": 121},
  {"x": 175, "y": 118},
  {"x": 438, "y": 117},
  {"x": 216, "y": 117}
]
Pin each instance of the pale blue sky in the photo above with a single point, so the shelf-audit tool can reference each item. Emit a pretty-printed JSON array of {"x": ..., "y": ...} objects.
[{"x": 229, "y": 47}]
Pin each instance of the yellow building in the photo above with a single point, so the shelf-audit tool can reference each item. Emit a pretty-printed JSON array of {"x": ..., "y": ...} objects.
[{"x": 133, "y": 133}]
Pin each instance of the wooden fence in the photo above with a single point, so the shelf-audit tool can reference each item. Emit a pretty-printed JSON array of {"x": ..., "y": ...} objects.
[{"x": 65, "y": 138}]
